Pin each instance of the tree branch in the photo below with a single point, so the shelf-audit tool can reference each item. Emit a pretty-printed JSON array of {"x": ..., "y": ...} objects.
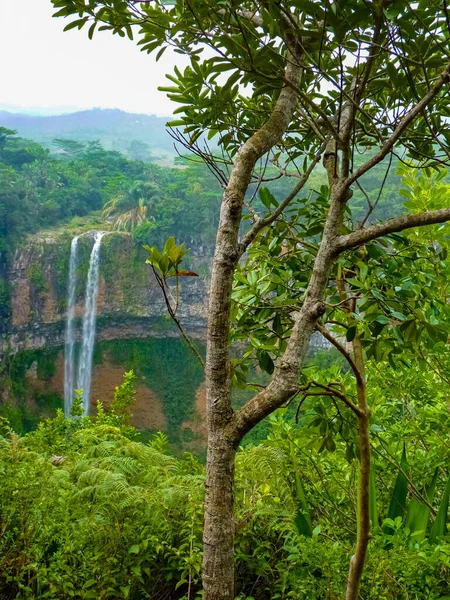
[
  {"x": 362, "y": 236},
  {"x": 327, "y": 335},
  {"x": 361, "y": 83},
  {"x": 175, "y": 319},
  {"x": 261, "y": 223},
  {"x": 402, "y": 126},
  {"x": 226, "y": 255},
  {"x": 331, "y": 391}
]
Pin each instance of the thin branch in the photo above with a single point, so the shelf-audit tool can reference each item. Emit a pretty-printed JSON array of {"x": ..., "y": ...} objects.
[
  {"x": 331, "y": 391},
  {"x": 373, "y": 206},
  {"x": 175, "y": 319},
  {"x": 261, "y": 223},
  {"x": 402, "y": 126},
  {"x": 327, "y": 335}
]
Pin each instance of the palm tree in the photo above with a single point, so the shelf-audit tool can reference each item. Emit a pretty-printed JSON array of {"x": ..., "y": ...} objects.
[{"x": 129, "y": 208}]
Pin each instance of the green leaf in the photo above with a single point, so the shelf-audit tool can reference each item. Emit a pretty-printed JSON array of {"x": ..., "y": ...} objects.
[
  {"x": 418, "y": 512},
  {"x": 265, "y": 362},
  {"x": 440, "y": 523},
  {"x": 398, "y": 315},
  {"x": 302, "y": 519},
  {"x": 78, "y": 23},
  {"x": 267, "y": 198},
  {"x": 398, "y": 499},
  {"x": 393, "y": 73},
  {"x": 382, "y": 319},
  {"x": 89, "y": 583},
  {"x": 91, "y": 30},
  {"x": 351, "y": 333},
  {"x": 160, "y": 53},
  {"x": 170, "y": 243}
]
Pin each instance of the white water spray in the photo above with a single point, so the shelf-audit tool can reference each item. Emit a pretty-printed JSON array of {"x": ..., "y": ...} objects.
[
  {"x": 69, "y": 362},
  {"x": 90, "y": 313}
]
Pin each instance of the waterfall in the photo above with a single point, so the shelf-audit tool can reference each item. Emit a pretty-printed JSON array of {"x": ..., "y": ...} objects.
[
  {"x": 69, "y": 366},
  {"x": 90, "y": 312}
]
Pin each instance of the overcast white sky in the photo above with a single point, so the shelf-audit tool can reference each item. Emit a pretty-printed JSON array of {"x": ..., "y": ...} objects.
[{"x": 48, "y": 71}]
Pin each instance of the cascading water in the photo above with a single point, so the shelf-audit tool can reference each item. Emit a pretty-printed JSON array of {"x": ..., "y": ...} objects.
[
  {"x": 69, "y": 363},
  {"x": 90, "y": 313}
]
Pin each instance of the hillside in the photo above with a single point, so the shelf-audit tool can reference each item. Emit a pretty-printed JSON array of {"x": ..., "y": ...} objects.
[{"x": 113, "y": 128}]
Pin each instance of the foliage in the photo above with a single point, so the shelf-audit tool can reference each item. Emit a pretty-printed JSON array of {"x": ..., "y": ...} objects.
[
  {"x": 24, "y": 402},
  {"x": 38, "y": 191},
  {"x": 128, "y": 208},
  {"x": 388, "y": 73},
  {"x": 167, "y": 367},
  {"x": 398, "y": 284},
  {"x": 124, "y": 399},
  {"x": 104, "y": 516}
]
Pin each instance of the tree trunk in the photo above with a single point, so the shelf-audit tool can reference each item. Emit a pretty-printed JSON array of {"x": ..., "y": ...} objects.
[
  {"x": 218, "y": 533},
  {"x": 359, "y": 558},
  {"x": 223, "y": 436}
]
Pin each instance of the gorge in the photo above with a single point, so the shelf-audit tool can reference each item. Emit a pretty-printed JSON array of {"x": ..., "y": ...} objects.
[
  {"x": 52, "y": 318},
  {"x": 55, "y": 275}
]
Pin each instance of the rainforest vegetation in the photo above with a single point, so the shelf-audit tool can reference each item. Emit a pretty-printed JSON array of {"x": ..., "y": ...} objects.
[
  {"x": 88, "y": 511},
  {"x": 83, "y": 184},
  {"x": 317, "y": 143},
  {"x": 39, "y": 191}
]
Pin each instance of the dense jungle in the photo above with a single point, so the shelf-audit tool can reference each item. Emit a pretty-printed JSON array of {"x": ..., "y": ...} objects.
[{"x": 224, "y": 360}]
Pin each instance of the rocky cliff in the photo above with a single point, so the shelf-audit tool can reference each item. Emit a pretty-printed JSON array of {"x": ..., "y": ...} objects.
[
  {"x": 130, "y": 304},
  {"x": 33, "y": 303}
]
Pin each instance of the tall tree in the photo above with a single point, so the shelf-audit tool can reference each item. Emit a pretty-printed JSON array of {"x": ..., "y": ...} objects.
[
  {"x": 129, "y": 207},
  {"x": 324, "y": 81},
  {"x": 5, "y": 135},
  {"x": 70, "y": 149}
]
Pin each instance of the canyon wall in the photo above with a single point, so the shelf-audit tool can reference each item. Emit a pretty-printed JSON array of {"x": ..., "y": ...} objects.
[
  {"x": 130, "y": 303},
  {"x": 134, "y": 332}
]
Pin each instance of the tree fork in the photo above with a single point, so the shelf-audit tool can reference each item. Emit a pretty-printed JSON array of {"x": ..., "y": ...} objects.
[{"x": 218, "y": 563}]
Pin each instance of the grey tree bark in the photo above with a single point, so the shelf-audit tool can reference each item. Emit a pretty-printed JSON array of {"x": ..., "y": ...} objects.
[{"x": 223, "y": 437}]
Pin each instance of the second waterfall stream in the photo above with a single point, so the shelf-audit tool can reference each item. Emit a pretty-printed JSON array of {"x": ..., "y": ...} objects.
[{"x": 88, "y": 327}]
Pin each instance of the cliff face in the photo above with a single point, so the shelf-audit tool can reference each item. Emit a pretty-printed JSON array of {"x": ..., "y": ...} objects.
[{"x": 130, "y": 304}]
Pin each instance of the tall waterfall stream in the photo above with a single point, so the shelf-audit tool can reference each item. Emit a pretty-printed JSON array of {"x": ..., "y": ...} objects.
[
  {"x": 88, "y": 331},
  {"x": 69, "y": 381}
]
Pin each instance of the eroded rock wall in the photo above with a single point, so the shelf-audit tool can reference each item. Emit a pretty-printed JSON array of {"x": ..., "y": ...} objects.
[{"x": 130, "y": 303}]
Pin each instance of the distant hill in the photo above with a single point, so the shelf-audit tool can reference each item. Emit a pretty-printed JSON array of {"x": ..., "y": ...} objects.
[{"x": 113, "y": 128}]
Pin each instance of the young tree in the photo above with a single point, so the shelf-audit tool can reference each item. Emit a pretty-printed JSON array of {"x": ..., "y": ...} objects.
[{"x": 308, "y": 81}]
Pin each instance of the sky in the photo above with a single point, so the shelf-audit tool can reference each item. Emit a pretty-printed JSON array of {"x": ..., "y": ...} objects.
[{"x": 47, "y": 71}]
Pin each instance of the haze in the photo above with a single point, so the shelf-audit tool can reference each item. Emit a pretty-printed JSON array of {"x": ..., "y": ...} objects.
[{"x": 48, "y": 71}]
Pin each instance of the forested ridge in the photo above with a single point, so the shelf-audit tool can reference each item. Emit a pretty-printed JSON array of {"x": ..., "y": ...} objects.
[
  {"x": 138, "y": 136},
  {"x": 313, "y": 182},
  {"x": 40, "y": 190}
]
